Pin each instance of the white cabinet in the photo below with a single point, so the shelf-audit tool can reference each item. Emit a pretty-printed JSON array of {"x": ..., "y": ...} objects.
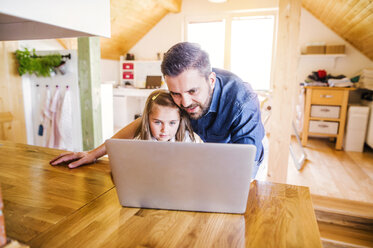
[
  {"x": 128, "y": 103},
  {"x": 356, "y": 128},
  {"x": 369, "y": 137},
  {"x": 134, "y": 72}
]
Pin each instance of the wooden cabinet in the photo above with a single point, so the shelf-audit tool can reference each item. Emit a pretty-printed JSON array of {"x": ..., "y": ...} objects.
[{"x": 325, "y": 113}]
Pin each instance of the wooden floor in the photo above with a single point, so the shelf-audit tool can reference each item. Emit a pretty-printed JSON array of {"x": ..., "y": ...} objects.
[{"x": 332, "y": 173}]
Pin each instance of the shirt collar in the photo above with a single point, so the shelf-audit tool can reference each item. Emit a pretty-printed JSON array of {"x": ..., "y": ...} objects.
[{"x": 215, "y": 97}]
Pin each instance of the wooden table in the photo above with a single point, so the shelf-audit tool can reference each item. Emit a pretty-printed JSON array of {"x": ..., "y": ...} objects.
[{"x": 53, "y": 206}]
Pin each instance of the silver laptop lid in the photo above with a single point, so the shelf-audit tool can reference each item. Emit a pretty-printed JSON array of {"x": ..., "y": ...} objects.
[{"x": 181, "y": 176}]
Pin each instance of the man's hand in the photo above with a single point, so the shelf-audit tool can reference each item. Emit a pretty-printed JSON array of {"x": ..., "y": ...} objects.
[{"x": 76, "y": 159}]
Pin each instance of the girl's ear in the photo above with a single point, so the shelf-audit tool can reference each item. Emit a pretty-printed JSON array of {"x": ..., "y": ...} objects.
[{"x": 212, "y": 79}]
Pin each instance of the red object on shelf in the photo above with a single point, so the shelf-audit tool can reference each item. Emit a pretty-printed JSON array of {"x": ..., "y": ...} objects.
[
  {"x": 321, "y": 74},
  {"x": 127, "y": 66},
  {"x": 2, "y": 224},
  {"x": 127, "y": 75}
]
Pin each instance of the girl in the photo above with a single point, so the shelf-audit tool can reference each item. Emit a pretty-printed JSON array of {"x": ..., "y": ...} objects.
[{"x": 163, "y": 120}]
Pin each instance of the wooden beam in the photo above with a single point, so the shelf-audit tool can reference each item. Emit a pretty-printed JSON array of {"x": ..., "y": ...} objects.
[
  {"x": 284, "y": 85},
  {"x": 62, "y": 43},
  {"x": 173, "y": 6},
  {"x": 89, "y": 87}
]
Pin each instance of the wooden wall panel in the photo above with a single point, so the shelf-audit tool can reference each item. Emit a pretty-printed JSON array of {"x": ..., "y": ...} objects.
[
  {"x": 11, "y": 95},
  {"x": 350, "y": 19}
]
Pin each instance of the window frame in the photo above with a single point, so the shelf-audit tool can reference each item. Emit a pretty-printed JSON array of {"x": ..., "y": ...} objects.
[{"x": 227, "y": 17}]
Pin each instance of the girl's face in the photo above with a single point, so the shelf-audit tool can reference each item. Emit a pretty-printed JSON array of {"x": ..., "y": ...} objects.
[{"x": 164, "y": 122}]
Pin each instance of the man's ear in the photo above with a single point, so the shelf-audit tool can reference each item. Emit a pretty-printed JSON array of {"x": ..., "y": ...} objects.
[{"x": 212, "y": 79}]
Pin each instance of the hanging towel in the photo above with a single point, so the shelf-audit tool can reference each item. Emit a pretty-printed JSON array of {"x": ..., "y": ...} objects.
[
  {"x": 65, "y": 122},
  {"x": 54, "y": 108},
  {"x": 45, "y": 118}
]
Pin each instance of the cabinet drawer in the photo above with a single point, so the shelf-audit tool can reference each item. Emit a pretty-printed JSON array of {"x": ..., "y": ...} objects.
[
  {"x": 325, "y": 111},
  {"x": 127, "y": 75},
  {"x": 327, "y": 97},
  {"x": 127, "y": 66},
  {"x": 327, "y": 127}
]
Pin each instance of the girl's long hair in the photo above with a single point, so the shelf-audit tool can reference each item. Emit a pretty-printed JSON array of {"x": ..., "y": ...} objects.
[{"x": 163, "y": 98}]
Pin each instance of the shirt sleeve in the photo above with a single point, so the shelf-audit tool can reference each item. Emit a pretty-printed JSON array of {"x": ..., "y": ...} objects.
[{"x": 247, "y": 127}]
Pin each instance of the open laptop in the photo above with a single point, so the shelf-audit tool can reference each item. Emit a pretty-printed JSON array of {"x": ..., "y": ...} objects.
[{"x": 205, "y": 177}]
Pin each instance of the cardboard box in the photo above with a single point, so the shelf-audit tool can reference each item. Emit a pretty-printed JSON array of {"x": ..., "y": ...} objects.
[
  {"x": 315, "y": 49},
  {"x": 335, "y": 49}
]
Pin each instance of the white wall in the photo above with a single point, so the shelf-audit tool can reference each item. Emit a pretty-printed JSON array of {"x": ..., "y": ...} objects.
[
  {"x": 40, "y": 45},
  {"x": 312, "y": 30},
  {"x": 110, "y": 70}
]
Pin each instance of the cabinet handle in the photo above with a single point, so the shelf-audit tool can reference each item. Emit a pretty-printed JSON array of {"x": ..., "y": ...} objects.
[
  {"x": 325, "y": 110},
  {"x": 326, "y": 96},
  {"x": 323, "y": 125}
]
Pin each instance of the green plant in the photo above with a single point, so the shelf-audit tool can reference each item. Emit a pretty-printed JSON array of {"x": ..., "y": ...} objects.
[{"x": 30, "y": 63}]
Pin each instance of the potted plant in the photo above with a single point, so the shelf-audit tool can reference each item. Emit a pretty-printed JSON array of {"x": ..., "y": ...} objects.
[{"x": 30, "y": 63}]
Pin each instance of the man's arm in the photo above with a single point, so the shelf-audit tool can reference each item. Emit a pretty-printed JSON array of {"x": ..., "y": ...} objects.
[
  {"x": 248, "y": 128},
  {"x": 80, "y": 158}
]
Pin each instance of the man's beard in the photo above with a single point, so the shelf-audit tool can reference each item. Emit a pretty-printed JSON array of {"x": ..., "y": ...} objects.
[{"x": 204, "y": 108}]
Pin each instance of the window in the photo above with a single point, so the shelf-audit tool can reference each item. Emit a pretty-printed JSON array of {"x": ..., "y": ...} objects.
[
  {"x": 201, "y": 33},
  {"x": 241, "y": 44}
]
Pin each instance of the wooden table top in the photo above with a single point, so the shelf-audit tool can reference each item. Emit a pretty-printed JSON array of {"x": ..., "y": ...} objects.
[{"x": 53, "y": 206}]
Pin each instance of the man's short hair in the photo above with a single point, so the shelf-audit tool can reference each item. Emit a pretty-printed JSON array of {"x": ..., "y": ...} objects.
[{"x": 184, "y": 56}]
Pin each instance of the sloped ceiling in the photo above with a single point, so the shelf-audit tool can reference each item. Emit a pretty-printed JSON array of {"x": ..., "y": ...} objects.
[
  {"x": 350, "y": 19},
  {"x": 130, "y": 21}
]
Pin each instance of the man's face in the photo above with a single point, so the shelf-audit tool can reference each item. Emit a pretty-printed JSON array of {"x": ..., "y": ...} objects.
[{"x": 192, "y": 92}]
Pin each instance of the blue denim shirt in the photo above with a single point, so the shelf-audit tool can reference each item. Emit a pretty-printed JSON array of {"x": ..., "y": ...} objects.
[{"x": 233, "y": 116}]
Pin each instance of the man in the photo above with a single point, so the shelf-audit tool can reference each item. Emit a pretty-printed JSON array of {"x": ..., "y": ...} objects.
[{"x": 222, "y": 108}]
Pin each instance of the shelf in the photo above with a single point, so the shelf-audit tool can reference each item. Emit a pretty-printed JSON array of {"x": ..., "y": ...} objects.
[
  {"x": 323, "y": 56},
  {"x": 331, "y": 56},
  {"x": 138, "y": 71}
]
